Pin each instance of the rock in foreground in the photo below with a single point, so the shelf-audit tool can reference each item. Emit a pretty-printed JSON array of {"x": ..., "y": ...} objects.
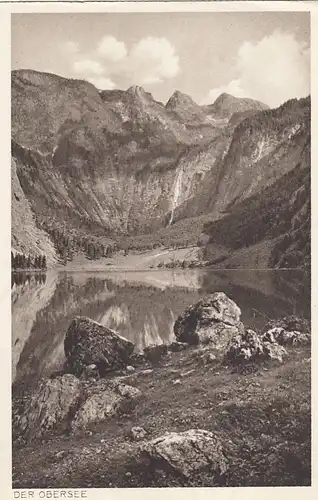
[
  {"x": 187, "y": 453},
  {"x": 88, "y": 342},
  {"x": 68, "y": 403},
  {"x": 251, "y": 347},
  {"x": 51, "y": 404},
  {"x": 105, "y": 399},
  {"x": 289, "y": 331},
  {"x": 214, "y": 320}
]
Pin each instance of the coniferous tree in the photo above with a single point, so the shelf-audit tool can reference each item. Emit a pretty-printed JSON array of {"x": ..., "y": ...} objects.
[
  {"x": 43, "y": 264},
  {"x": 29, "y": 262}
]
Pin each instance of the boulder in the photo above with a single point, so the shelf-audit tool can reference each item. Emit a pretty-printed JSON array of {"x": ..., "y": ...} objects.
[
  {"x": 138, "y": 359},
  {"x": 187, "y": 453},
  {"x": 290, "y": 330},
  {"x": 178, "y": 346},
  {"x": 274, "y": 352},
  {"x": 90, "y": 343},
  {"x": 105, "y": 399},
  {"x": 52, "y": 404},
  {"x": 137, "y": 433},
  {"x": 252, "y": 347},
  {"x": 154, "y": 353},
  {"x": 290, "y": 324},
  {"x": 214, "y": 320}
]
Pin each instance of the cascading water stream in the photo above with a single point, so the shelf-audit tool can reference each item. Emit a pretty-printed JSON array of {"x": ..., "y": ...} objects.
[{"x": 176, "y": 194}]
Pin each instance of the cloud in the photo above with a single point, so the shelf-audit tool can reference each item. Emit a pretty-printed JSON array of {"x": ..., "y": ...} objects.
[
  {"x": 87, "y": 67},
  {"x": 154, "y": 60},
  {"x": 233, "y": 88},
  {"x": 112, "y": 49},
  {"x": 102, "y": 82},
  {"x": 273, "y": 70},
  {"x": 151, "y": 60}
]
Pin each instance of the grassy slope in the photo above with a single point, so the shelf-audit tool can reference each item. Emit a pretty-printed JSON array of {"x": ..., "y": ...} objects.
[{"x": 263, "y": 419}]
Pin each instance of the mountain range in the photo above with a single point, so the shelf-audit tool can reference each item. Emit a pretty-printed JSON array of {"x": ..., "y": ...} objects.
[{"x": 100, "y": 167}]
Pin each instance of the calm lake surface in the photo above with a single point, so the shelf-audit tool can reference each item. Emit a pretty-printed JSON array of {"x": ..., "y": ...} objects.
[{"x": 140, "y": 305}]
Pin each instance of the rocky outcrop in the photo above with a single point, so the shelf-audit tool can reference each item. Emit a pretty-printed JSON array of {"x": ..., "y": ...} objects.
[
  {"x": 267, "y": 222},
  {"x": 252, "y": 347},
  {"x": 288, "y": 331},
  {"x": 105, "y": 399},
  {"x": 213, "y": 320},
  {"x": 286, "y": 337},
  {"x": 88, "y": 342},
  {"x": 66, "y": 403},
  {"x": 51, "y": 405},
  {"x": 26, "y": 237},
  {"x": 226, "y": 105},
  {"x": 187, "y": 453}
]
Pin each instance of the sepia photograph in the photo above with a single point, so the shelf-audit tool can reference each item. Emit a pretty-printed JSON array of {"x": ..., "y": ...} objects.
[{"x": 161, "y": 249}]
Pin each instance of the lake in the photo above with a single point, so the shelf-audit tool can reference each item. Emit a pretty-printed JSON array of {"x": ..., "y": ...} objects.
[{"x": 140, "y": 305}]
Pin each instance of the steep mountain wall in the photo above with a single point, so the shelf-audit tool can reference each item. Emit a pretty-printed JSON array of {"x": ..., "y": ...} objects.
[
  {"x": 273, "y": 225},
  {"x": 118, "y": 162},
  {"x": 26, "y": 237}
]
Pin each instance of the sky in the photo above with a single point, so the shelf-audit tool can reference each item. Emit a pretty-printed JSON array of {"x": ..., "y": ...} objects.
[{"x": 260, "y": 55}]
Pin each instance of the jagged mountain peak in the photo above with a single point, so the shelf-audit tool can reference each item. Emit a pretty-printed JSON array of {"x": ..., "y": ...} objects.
[
  {"x": 226, "y": 105},
  {"x": 228, "y": 100},
  {"x": 179, "y": 99},
  {"x": 137, "y": 91},
  {"x": 225, "y": 97}
]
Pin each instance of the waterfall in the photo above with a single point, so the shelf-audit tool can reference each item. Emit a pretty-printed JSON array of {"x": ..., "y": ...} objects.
[{"x": 176, "y": 193}]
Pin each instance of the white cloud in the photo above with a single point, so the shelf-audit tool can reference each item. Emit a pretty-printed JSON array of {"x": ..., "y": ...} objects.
[
  {"x": 272, "y": 70},
  {"x": 233, "y": 88},
  {"x": 102, "y": 82},
  {"x": 153, "y": 60},
  {"x": 112, "y": 49},
  {"x": 85, "y": 67}
]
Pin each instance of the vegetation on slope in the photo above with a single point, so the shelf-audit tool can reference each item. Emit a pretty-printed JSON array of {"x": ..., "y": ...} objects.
[{"x": 281, "y": 212}]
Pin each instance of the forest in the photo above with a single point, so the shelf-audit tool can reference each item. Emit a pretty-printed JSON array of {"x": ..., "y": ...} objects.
[{"x": 21, "y": 261}]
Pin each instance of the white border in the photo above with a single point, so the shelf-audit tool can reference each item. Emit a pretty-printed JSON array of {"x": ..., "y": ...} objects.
[{"x": 6, "y": 9}]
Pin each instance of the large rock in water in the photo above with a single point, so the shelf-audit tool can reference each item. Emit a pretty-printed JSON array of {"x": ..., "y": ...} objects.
[
  {"x": 52, "y": 404},
  {"x": 90, "y": 343},
  {"x": 215, "y": 320},
  {"x": 105, "y": 399},
  {"x": 187, "y": 453}
]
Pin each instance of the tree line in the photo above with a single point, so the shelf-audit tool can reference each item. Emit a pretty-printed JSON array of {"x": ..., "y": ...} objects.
[
  {"x": 21, "y": 261},
  {"x": 68, "y": 244}
]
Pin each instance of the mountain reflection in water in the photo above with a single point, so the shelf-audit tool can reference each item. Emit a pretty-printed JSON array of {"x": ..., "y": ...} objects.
[{"x": 141, "y": 306}]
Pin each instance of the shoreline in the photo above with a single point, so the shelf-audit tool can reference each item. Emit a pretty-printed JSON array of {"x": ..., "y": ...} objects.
[{"x": 149, "y": 269}]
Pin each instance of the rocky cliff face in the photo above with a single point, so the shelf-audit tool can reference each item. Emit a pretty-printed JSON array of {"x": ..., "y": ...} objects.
[
  {"x": 273, "y": 224},
  {"x": 26, "y": 237},
  {"x": 120, "y": 162}
]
